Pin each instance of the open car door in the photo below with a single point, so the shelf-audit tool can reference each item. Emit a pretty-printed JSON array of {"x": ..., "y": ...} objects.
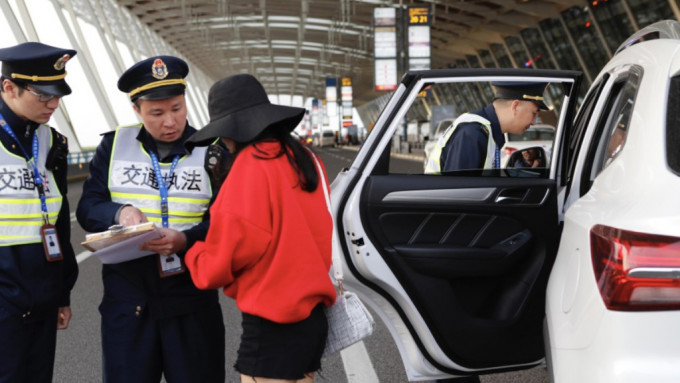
[{"x": 455, "y": 265}]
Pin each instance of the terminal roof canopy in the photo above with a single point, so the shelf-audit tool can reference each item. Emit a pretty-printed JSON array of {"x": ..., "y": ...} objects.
[{"x": 293, "y": 45}]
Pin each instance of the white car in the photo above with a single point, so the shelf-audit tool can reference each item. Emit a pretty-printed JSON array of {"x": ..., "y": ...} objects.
[
  {"x": 326, "y": 138},
  {"x": 577, "y": 266},
  {"x": 540, "y": 135}
]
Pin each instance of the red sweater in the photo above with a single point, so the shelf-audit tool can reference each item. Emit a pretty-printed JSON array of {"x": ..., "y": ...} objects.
[{"x": 269, "y": 242}]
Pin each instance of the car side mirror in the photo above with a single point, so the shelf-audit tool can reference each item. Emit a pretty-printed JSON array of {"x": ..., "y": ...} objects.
[{"x": 532, "y": 157}]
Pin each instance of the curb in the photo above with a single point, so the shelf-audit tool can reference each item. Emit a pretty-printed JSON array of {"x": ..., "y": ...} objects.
[{"x": 412, "y": 157}]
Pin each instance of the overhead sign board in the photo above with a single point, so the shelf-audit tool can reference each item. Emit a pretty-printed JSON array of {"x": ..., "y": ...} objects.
[
  {"x": 385, "y": 48},
  {"x": 419, "y": 38}
]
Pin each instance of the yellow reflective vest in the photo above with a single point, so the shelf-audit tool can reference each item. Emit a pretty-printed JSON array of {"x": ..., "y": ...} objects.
[
  {"x": 20, "y": 212},
  {"x": 132, "y": 181},
  {"x": 433, "y": 165}
]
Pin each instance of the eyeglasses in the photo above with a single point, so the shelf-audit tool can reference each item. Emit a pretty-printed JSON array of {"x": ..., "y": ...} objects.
[{"x": 42, "y": 97}]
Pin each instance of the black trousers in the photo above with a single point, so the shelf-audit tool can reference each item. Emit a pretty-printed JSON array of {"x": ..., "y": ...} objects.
[
  {"x": 27, "y": 347},
  {"x": 185, "y": 348}
]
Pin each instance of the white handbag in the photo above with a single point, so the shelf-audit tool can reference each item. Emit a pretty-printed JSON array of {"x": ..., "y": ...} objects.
[{"x": 348, "y": 319}]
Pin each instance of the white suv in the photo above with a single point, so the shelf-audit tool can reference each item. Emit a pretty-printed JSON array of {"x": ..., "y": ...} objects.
[{"x": 577, "y": 264}]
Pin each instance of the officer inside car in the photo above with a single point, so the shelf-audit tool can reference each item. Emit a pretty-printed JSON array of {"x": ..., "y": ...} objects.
[
  {"x": 37, "y": 263},
  {"x": 154, "y": 321},
  {"x": 475, "y": 138}
]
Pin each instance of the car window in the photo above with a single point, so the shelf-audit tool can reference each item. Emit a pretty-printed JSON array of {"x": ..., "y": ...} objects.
[
  {"x": 610, "y": 135},
  {"x": 673, "y": 126},
  {"x": 417, "y": 136},
  {"x": 579, "y": 129}
]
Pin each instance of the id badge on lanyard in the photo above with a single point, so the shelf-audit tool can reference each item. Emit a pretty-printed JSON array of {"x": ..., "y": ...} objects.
[
  {"x": 168, "y": 265},
  {"x": 51, "y": 243},
  {"x": 48, "y": 232}
]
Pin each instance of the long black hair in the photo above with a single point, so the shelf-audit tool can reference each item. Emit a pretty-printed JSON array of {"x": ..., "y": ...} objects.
[{"x": 298, "y": 156}]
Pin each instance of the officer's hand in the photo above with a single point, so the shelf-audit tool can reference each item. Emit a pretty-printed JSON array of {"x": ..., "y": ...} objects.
[
  {"x": 63, "y": 317},
  {"x": 171, "y": 242},
  {"x": 130, "y": 215}
]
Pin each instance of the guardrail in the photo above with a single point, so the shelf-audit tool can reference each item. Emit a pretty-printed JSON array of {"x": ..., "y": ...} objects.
[
  {"x": 80, "y": 157},
  {"x": 78, "y": 165}
]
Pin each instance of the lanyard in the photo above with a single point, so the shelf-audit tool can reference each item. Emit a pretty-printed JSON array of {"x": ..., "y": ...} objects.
[
  {"x": 32, "y": 162},
  {"x": 162, "y": 186},
  {"x": 497, "y": 158}
]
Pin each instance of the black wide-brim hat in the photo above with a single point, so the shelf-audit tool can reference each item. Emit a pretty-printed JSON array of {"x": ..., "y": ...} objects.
[
  {"x": 39, "y": 65},
  {"x": 240, "y": 110},
  {"x": 521, "y": 90}
]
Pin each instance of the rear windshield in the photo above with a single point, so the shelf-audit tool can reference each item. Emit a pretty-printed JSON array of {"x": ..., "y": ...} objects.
[{"x": 673, "y": 126}]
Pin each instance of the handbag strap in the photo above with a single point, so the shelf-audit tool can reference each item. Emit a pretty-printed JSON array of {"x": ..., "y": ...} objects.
[{"x": 337, "y": 265}]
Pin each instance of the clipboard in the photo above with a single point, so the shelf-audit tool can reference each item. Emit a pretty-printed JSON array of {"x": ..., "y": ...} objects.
[{"x": 116, "y": 234}]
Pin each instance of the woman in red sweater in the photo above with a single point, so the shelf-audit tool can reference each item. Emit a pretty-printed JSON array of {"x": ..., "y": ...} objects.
[{"x": 269, "y": 242}]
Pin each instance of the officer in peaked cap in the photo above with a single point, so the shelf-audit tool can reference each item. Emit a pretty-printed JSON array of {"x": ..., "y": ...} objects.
[
  {"x": 141, "y": 173},
  {"x": 37, "y": 263},
  {"x": 519, "y": 90},
  {"x": 156, "y": 78},
  {"x": 474, "y": 139},
  {"x": 43, "y": 67}
]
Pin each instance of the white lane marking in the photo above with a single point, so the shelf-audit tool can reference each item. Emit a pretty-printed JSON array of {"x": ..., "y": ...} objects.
[
  {"x": 357, "y": 363},
  {"x": 83, "y": 256},
  {"x": 73, "y": 216}
]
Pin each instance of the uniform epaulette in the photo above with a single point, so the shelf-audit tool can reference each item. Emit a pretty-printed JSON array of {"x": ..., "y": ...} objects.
[{"x": 58, "y": 152}]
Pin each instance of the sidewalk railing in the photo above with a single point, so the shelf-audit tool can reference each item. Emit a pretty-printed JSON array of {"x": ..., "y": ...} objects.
[{"x": 75, "y": 158}]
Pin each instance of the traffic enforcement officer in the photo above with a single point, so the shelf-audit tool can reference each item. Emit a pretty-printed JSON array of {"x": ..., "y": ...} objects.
[
  {"x": 37, "y": 264},
  {"x": 154, "y": 320},
  {"x": 474, "y": 139}
]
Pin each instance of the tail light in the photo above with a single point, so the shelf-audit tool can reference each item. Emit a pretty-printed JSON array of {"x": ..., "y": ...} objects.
[
  {"x": 636, "y": 271},
  {"x": 508, "y": 150}
]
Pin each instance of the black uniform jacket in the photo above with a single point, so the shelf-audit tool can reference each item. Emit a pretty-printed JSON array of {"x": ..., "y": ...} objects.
[
  {"x": 29, "y": 285},
  {"x": 466, "y": 149}
]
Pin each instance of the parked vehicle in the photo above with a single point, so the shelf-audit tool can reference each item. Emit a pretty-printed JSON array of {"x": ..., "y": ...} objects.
[
  {"x": 576, "y": 265},
  {"x": 540, "y": 135},
  {"x": 327, "y": 138}
]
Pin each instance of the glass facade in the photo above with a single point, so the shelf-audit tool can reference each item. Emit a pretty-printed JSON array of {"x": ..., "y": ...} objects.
[
  {"x": 518, "y": 52},
  {"x": 647, "y": 12},
  {"x": 498, "y": 51},
  {"x": 540, "y": 55},
  {"x": 585, "y": 37},
  {"x": 613, "y": 21},
  {"x": 570, "y": 41},
  {"x": 487, "y": 59},
  {"x": 473, "y": 62},
  {"x": 556, "y": 36}
]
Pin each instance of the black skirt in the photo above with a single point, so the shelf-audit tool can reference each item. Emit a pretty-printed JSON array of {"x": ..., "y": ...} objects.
[{"x": 282, "y": 351}]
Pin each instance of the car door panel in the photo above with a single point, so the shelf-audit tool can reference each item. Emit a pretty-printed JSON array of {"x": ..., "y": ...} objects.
[
  {"x": 480, "y": 254},
  {"x": 456, "y": 265}
]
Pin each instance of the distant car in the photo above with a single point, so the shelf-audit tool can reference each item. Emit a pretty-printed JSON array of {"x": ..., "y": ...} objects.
[
  {"x": 327, "y": 138},
  {"x": 537, "y": 135},
  {"x": 438, "y": 131},
  {"x": 575, "y": 266},
  {"x": 303, "y": 138}
]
